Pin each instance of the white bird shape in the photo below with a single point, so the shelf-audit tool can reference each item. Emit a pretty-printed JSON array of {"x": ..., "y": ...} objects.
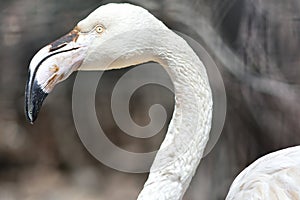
[{"x": 121, "y": 35}]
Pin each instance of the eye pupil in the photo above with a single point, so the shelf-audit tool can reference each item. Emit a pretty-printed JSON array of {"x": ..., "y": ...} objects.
[{"x": 99, "y": 29}]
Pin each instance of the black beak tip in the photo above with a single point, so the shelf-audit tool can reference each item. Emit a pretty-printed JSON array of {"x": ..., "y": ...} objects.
[
  {"x": 34, "y": 98},
  {"x": 31, "y": 117}
]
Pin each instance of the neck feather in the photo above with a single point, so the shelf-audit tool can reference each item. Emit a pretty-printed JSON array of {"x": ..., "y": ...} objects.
[{"x": 188, "y": 132}]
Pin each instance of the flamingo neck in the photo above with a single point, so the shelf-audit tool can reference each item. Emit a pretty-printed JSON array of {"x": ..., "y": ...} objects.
[{"x": 188, "y": 132}]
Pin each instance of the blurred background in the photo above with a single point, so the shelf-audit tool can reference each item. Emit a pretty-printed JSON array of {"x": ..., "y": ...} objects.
[{"x": 254, "y": 43}]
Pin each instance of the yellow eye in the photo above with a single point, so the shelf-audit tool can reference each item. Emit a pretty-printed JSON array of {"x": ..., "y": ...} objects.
[{"x": 99, "y": 29}]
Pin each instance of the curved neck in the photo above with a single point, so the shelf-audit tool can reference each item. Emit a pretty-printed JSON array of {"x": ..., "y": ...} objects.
[{"x": 188, "y": 132}]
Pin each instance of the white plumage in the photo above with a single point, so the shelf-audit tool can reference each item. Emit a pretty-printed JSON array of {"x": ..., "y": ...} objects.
[
  {"x": 275, "y": 176},
  {"x": 121, "y": 35}
]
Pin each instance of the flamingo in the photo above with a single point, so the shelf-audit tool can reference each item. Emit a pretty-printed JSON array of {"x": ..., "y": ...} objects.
[{"x": 116, "y": 36}]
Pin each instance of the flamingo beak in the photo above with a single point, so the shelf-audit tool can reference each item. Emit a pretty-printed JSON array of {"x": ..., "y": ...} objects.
[{"x": 52, "y": 64}]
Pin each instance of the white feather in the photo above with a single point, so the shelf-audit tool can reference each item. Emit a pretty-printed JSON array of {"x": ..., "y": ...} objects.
[{"x": 275, "y": 176}]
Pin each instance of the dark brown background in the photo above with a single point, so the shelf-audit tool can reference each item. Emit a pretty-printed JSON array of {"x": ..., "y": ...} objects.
[{"x": 256, "y": 47}]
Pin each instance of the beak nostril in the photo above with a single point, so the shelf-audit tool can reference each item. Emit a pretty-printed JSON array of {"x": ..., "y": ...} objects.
[
  {"x": 54, "y": 48},
  {"x": 63, "y": 41}
]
